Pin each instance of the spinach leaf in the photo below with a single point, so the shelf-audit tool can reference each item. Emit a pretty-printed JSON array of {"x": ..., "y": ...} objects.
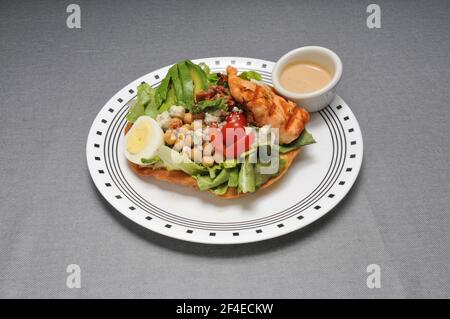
[
  {"x": 248, "y": 75},
  {"x": 305, "y": 138}
]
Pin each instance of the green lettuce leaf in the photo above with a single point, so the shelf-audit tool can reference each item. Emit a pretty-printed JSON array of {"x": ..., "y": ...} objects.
[
  {"x": 248, "y": 75},
  {"x": 151, "y": 161},
  {"x": 221, "y": 189},
  {"x": 175, "y": 160},
  {"x": 144, "y": 103},
  {"x": 214, "y": 170},
  {"x": 305, "y": 138},
  {"x": 233, "y": 180},
  {"x": 246, "y": 182},
  {"x": 135, "y": 110},
  {"x": 162, "y": 90},
  {"x": 213, "y": 78},
  {"x": 206, "y": 182}
]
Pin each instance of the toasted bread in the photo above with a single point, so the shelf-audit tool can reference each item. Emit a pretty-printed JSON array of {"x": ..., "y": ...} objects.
[{"x": 181, "y": 178}]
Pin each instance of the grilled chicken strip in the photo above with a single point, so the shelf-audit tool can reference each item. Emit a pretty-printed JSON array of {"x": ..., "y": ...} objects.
[{"x": 266, "y": 107}]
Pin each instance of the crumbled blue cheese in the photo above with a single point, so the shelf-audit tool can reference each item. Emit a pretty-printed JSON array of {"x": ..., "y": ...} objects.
[
  {"x": 210, "y": 118},
  {"x": 186, "y": 150},
  {"x": 198, "y": 137},
  {"x": 163, "y": 119},
  {"x": 176, "y": 111}
]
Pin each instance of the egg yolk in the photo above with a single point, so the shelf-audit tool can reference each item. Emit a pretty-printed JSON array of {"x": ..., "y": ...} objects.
[{"x": 139, "y": 138}]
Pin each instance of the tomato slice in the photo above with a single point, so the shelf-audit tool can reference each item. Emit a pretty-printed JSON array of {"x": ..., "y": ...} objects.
[
  {"x": 232, "y": 132},
  {"x": 237, "y": 117}
]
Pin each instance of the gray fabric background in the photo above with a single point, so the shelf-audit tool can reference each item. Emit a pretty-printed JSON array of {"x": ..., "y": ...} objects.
[{"x": 54, "y": 80}]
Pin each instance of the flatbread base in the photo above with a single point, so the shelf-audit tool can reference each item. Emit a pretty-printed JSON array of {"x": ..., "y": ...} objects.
[{"x": 181, "y": 178}]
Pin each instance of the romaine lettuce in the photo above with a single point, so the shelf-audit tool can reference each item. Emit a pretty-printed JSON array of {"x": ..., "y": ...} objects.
[
  {"x": 233, "y": 180},
  {"x": 144, "y": 103},
  {"x": 213, "y": 171},
  {"x": 221, "y": 189},
  {"x": 175, "y": 160},
  {"x": 246, "y": 182},
  {"x": 206, "y": 182}
]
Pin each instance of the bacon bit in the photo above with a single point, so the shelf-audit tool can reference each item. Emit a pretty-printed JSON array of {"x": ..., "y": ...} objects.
[
  {"x": 213, "y": 92},
  {"x": 223, "y": 79}
]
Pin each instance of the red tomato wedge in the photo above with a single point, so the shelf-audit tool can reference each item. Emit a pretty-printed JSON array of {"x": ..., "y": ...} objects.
[
  {"x": 240, "y": 146},
  {"x": 232, "y": 139}
]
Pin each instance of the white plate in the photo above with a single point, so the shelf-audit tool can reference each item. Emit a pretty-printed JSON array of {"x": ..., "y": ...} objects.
[{"x": 319, "y": 178}]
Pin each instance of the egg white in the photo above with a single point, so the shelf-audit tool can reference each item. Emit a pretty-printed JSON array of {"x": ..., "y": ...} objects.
[{"x": 156, "y": 139}]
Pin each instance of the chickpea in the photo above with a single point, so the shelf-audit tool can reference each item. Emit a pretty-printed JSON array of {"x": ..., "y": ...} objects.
[
  {"x": 187, "y": 118},
  {"x": 208, "y": 161},
  {"x": 169, "y": 137},
  {"x": 175, "y": 123}
]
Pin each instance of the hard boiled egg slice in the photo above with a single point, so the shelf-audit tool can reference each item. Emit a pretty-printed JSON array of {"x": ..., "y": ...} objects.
[{"x": 143, "y": 140}]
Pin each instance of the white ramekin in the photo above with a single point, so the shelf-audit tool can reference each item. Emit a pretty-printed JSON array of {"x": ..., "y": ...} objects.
[{"x": 317, "y": 100}]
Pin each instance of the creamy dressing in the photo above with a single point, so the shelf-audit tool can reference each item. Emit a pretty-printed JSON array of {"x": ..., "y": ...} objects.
[{"x": 304, "y": 77}]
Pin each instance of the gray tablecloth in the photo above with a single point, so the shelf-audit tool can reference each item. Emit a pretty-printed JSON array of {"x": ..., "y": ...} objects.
[{"x": 55, "y": 79}]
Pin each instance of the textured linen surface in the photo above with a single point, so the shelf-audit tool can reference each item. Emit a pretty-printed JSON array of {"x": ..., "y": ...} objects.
[{"x": 54, "y": 80}]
